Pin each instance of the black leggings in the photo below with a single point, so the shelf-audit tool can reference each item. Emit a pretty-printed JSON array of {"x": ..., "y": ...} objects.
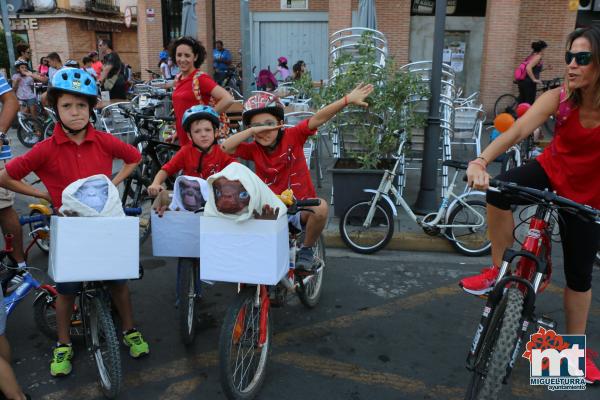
[
  {"x": 580, "y": 239},
  {"x": 527, "y": 90}
]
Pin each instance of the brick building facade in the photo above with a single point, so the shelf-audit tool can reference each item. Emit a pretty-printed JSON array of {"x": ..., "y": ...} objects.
[
  {"x": 507, "y": 29},
  {"x": 73, "y": 29}
]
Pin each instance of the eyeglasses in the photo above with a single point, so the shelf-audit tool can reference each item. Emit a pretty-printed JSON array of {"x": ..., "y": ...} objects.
[
  {"x": 581, "y": 58},
  {"x": 268, "y": 123}
]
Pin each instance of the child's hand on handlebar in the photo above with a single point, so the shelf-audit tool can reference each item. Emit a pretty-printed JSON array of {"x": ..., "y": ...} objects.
[
  {"x": 477, "y": 177},
  {"x": 359, "y": 94},
  {"x": 154, "y": 190}
]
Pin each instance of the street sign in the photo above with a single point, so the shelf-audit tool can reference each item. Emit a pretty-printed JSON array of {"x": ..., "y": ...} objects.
[{"x": 127, "y": 17}]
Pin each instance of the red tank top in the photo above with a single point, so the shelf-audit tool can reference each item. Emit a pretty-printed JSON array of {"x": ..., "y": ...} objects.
[{"x": 572, "y": 161}]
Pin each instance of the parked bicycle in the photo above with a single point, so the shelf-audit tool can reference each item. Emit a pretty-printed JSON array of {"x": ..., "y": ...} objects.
[
  {"x": 367, "y": 226},
  {"x": 34, "y": 129},
  {"x": 510, "y": 307},
  {"x": 246, "y": 333}
]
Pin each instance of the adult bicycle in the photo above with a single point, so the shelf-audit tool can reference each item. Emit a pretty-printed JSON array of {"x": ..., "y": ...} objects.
[
  {"x": 510, "y": 307},
  {"x": 246, "y": 333},
  {"x": 367, "y": 226}
]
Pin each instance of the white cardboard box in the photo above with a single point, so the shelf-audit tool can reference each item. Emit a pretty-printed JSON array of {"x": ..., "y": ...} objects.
[
  {"x": 253, "y": 251},
  {"x": 94, "y": 248},
  {"x": 176, "y": 234}
]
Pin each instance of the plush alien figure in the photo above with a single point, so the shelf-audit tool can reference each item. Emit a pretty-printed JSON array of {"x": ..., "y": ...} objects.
[
  {"x": 231, "y": 197},
  {"x": 191, "y": 196},
  {"x": 93, "y": 193}
]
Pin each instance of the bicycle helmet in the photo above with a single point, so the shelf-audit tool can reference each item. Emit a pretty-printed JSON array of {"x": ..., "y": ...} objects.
[
  {"x": 282, "y": 60},
  {"x": 18, "y": 63},
  {"x": 72, "y": 64},
  {"x": 197, "y": 112},
  {"x": 262, "y": 103},
  {"x": 74, "y": 81}
]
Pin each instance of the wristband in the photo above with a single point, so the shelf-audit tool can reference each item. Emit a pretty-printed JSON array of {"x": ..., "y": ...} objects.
[
  {"x": 345, "y": 101},
  {"x": 484, "y": 160},
  {"x": 477, "y": 162}
]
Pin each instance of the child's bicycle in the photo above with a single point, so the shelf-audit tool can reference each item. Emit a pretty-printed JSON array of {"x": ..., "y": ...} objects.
[
  {"x": 245, "y": 339},
  {"x": 39, "y": 217},
  {"x": 510, "y": 307},
  {"x": 368, "y": 225}
]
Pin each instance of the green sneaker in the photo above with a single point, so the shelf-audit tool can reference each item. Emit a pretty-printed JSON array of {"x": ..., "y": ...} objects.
[
  {"x": 137, "y": 345},
  {"x": 61, "y": 360}
]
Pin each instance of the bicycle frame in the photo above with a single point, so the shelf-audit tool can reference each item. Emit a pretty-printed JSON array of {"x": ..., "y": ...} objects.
[
  {"x": 29, "y": 284},
  {"x": 534, "y": 263}
]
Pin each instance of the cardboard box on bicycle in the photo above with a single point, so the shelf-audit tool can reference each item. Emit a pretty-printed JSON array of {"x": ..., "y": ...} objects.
[
  {"x": 176, "y": 233},
  {"x": 253, "y": 251},
  {"x": 94, "y": 248}
]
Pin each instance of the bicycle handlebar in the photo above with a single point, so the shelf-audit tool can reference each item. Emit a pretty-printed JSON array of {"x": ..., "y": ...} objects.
[
  {"x": 308, "y": 203},
  {"x": 547, "y": 197},
  {"x": 132, "y": 211}
]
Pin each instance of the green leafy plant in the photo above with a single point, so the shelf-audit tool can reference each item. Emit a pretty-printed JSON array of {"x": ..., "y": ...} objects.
[{"x": 369, "y": 133}]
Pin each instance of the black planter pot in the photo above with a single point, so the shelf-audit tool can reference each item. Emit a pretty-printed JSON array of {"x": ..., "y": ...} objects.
[{"x": 349, "y": 182}]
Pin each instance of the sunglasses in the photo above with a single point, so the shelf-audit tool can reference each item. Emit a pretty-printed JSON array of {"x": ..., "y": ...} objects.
[
  {"x": 581, "y": 58},
  {"x": 268, "y": 123}
]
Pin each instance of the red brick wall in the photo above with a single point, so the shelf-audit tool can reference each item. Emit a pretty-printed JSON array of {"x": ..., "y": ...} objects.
[
  {"x": 205, "y": 32},
  {"x": 150, "y": 36},
  {"x": 511, "y": 26},
  {"x": 340, "y": 15},
  {"x": 227, "y": 21},
  {"x": 393, "y": 19},
  {"x": 126, "y": 45},
  {"x": 275, "y": 5},
  {"x": 51, "y": 36}
]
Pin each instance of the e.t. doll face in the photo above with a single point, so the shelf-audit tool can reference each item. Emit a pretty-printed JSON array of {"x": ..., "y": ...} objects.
[
  {"x": 268, "y": 137},
  {"x": 93, "y": 193},
  {"x": 74, "y": 111},
  {"x": 191, "y": 195},
  {"x": 202, "y": 133},
  {"x": 231, "y": 197}
]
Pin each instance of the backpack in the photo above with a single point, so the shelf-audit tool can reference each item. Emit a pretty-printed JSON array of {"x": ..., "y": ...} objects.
[
  {"x": 223, "y": 131},
  {"x": 521, "y": 71}
]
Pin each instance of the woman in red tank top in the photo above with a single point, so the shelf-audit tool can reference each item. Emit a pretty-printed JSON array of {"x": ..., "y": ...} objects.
[{"x": 569, "y": 165}]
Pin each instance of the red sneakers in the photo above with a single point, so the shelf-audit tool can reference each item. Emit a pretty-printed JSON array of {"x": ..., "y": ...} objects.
[
  {"x": 592, "y": 373},
  {"x": 482, "y": 283}
]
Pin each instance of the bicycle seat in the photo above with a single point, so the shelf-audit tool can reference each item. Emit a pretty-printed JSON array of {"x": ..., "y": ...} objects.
[{"x": 455, "y": 164}]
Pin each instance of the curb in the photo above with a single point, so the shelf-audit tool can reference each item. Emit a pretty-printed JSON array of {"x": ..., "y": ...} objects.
[{"x": 400, "y": 241}]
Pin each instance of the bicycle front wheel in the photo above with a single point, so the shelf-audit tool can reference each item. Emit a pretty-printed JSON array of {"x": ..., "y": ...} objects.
[
  {"x": 42, "y": 239},
  {"x": 364, "y": 236},
  {"x": 465, "y": 236},
  {"x": 187, "y": 293},
  {"x": 135, "y": 194},
  {"x": 311, "y": 286},
  {"x": 30, "y": 132},
  {"x": 104, "y": 345},
  {"x": 497, "y": 349},
  {"x": 242, "y": 362},
  {"x": 507, "y": 103}
]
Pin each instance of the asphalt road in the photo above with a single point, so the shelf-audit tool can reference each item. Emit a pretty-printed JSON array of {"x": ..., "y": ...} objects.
[{"x": 389, "y": 326}]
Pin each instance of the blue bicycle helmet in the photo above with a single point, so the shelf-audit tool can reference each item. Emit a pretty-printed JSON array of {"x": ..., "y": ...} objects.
[
  {"x": 197, "y": 112},
  {"x": 74, "y": 81}
]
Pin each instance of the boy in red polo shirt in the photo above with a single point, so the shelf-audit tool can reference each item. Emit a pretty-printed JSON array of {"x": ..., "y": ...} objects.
[
  {"x": 278, "y": 155},
  {"x": 200, "y": 156},
  {"x": 76, "y": 150}
]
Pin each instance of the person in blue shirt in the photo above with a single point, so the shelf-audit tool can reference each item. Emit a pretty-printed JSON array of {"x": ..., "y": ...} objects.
[{"x": 221, "y": 61}]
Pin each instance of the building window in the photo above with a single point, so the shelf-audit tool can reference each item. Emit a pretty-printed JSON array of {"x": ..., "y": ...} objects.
[
  {"x": 171, "y": 16},
  {"x": 294, "y": 4}
]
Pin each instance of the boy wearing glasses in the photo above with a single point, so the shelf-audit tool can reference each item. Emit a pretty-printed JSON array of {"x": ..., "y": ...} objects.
[{"x": 278, "y": 155}]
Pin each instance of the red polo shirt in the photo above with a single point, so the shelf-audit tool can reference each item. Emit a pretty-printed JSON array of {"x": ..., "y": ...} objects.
[
  {"x": 184, "y": 98},
  {"x": 285, "y": 167},
  {"x": 58, "y": 161},
  {"x": 188, "y": 157}
]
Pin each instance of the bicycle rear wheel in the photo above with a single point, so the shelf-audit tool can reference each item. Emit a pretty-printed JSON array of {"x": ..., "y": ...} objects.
[
  {"x": 104, "y": 346},
  {"x": 311, "y": 286},
  {"x": 42, "y": 239},
  {"x": 31, "y": 132},
  {"x": 497, "y": 349},
  {"x": 507, "y": 103},
  {"x": 363, "y": 236},
  {"x": 187, "y": 293},
  {"x": 469, "y": 240},
  {"x": 242, "y": 363}
]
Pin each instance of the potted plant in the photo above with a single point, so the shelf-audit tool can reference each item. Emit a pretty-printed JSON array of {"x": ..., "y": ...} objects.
[{"x": 367, "y": 135}]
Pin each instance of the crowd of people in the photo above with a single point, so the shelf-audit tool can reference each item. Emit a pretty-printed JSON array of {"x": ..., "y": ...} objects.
[{"x": 199, "y": 104}]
